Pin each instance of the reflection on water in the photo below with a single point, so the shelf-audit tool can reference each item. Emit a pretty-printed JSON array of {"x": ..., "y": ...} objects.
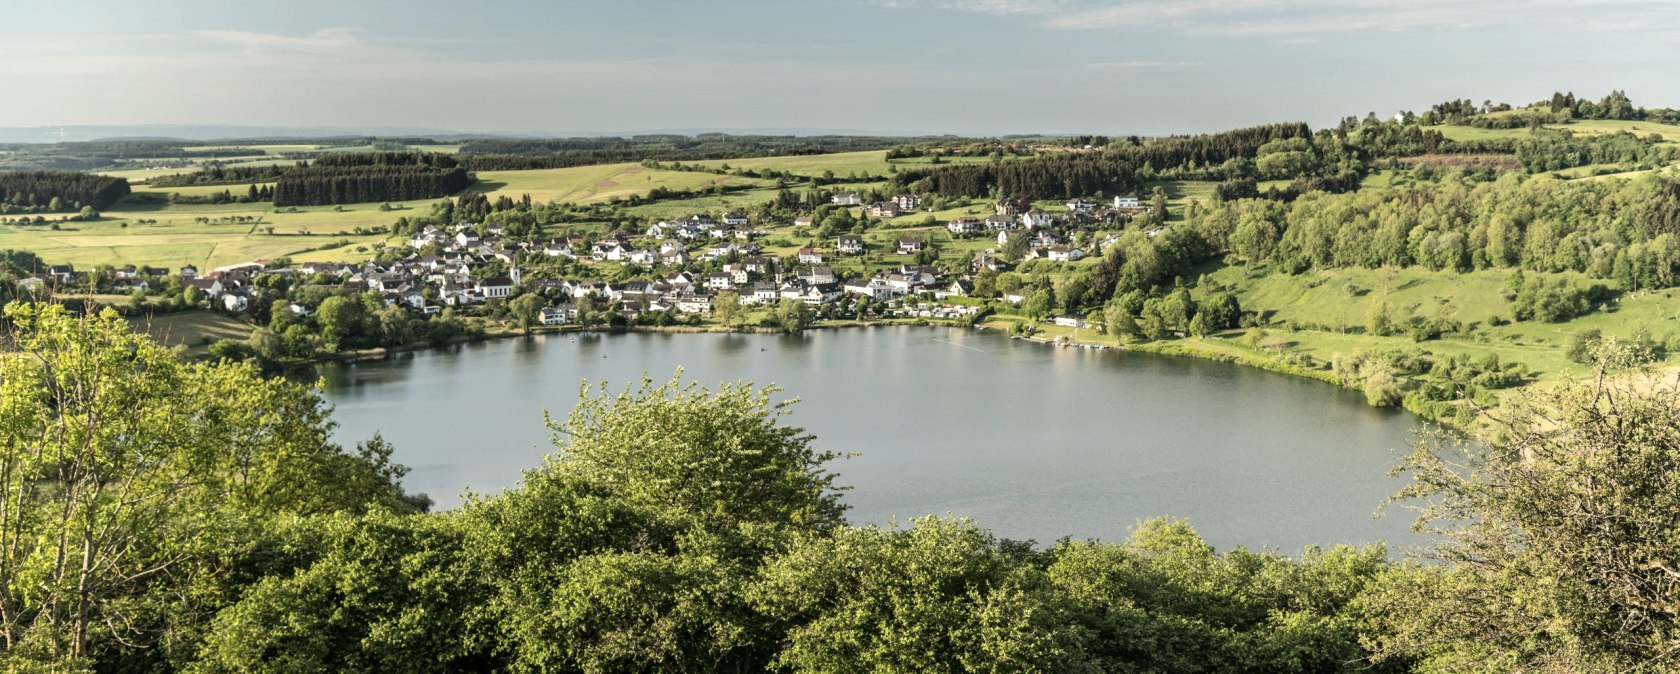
[{"x": 1030, "y": 441}]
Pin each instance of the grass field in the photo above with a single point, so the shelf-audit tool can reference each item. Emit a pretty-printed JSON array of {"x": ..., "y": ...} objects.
[
  {"x": 199, "y": 190},
  {"x": 1585, "y": 127},
  {"x": 1337, "y": 300},
  {"x": 595, "y": 184},
  {"x": 178, "y": 237},
  {"x": 842, "y": 164},
  {"x": 192, "y": 329}
]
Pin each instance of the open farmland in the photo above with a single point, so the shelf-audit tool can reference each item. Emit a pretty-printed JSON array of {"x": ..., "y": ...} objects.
[
  {"x": 206, "y": 235},
  {"x": 594, "y": 184},
  {"x": 841, "y": 164}
]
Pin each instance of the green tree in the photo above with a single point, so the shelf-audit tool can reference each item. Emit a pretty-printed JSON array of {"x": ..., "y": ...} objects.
[
  {"x": 726, "y": 306},
  {"x": 1119, "y": 322},
  {"x": 940, "y": 596},
  {"x": 794, "y": 316},
  {"x": 1561, "y": 531},
  {"x": 380, "y": 593},
  {"x": 339, "y": 318},
  {"x": 126, "y": 476},
  {"x": 526, "y": 311}
]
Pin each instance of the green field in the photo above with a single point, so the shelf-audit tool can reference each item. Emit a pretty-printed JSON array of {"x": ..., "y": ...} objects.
[
  {"x": 178, "y": 236},
  {"x": 192, "y": 329},
  {"x": 842, "y": 164},
  {"x": 1332, "y": 303},
  {"x": 595, "y": 184},
  {"x": 1585, "y": 127}
]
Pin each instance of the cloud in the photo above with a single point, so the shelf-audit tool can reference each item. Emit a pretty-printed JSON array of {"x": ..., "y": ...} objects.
[
  {"x": 323, "y": 41},
  {"x": 1142, "y": 65},
  {"x": 1297, "y": 20}
]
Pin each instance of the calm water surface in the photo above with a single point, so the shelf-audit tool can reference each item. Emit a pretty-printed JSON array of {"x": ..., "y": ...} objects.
[{"x": 1031, "y": 441}]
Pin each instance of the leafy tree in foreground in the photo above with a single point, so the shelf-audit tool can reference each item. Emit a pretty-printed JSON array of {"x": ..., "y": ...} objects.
[
  {"x": 631, "y": 547},
  {"x": 1562, "y": 534},
  {"x": 129, "y": 479}
]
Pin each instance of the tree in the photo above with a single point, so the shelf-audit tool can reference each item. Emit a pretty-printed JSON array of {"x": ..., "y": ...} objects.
[
  {"x": 939, "y": 596},
  {"x": 380, "y": 593},
  {"x": 726, "y": 306},
  {"x": 526, "y": 311},
  {"x": 1377, "y": 320},
  {"x": 126, "y": 477},
  {"x": 793, "y": 316},
  {"x": 622, "y": 554},
  {"x": 1038, "y": 305},
  {"x": 1120, "y": 323},
  {"x": 339, "y": 318},
  {"x": 1561, "y": 529}
]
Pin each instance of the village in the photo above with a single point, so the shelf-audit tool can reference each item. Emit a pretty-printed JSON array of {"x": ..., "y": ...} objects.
[{"x": 672, "y": 270}]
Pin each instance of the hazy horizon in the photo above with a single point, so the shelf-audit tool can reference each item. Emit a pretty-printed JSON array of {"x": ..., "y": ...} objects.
[{"x": 964, "y": 67}]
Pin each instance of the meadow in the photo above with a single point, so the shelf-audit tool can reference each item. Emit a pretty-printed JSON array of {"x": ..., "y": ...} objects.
[
  {"x": 841, "y": 164},
  {"x": 600, "y": 183}
]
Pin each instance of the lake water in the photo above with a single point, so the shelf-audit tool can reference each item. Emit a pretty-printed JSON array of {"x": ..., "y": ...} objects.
[{"x": 1031, "y": 441}]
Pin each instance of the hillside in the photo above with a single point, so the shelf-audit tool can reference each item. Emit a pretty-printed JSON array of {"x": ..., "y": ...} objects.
[{"x": 1309, "y": 234}]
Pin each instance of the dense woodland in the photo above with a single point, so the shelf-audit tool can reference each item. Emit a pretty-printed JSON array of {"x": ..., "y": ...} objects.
[
  {"x": 218, "y": 529},
  {"x": 57, "y": 191},
  {"x": 376, "y": 176}
]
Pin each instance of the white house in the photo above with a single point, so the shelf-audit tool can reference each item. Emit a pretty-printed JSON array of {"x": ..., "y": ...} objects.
[
  {"x": 963, "y": 226},
  {"x": 1126, "y": 202},
  {"x": 850, "y": 244},
  {"x": 1064, "y": 254}
]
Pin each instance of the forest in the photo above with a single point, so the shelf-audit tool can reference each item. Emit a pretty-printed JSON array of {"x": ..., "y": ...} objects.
[
  {"x": 57, "y": 191},
  {"x": 215, "y": 527},
  {"x": 370, "y": 177}
]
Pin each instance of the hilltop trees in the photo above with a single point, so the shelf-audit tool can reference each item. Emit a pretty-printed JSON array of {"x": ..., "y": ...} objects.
[
  {"x": 370, "y": 177},
  {"x": 58, "y": 191}
]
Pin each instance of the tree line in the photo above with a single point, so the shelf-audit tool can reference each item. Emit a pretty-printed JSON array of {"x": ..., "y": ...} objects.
[
  {"x": 518, "y": 154},
  {"x": 367, "y": 177},
  {"x": 58, "y": 191},
  {"x": 1051, "y": 176}
]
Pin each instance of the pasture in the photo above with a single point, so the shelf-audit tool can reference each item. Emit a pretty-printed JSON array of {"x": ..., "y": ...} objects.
[
  {"x": 204, "y": 235},
  {"x": 595, "y": 184},
  {"x": 841, "y": 164}
]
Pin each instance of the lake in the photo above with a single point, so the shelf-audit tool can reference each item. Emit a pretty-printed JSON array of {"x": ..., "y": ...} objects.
[{"x": 1030, "y": 441}]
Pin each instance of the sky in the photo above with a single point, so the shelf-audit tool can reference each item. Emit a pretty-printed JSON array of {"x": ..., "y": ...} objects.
[{"x": 972, "y": 67}]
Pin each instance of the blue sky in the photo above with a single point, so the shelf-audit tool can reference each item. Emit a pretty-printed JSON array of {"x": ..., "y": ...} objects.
[{"x": 956, "y": 66}]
